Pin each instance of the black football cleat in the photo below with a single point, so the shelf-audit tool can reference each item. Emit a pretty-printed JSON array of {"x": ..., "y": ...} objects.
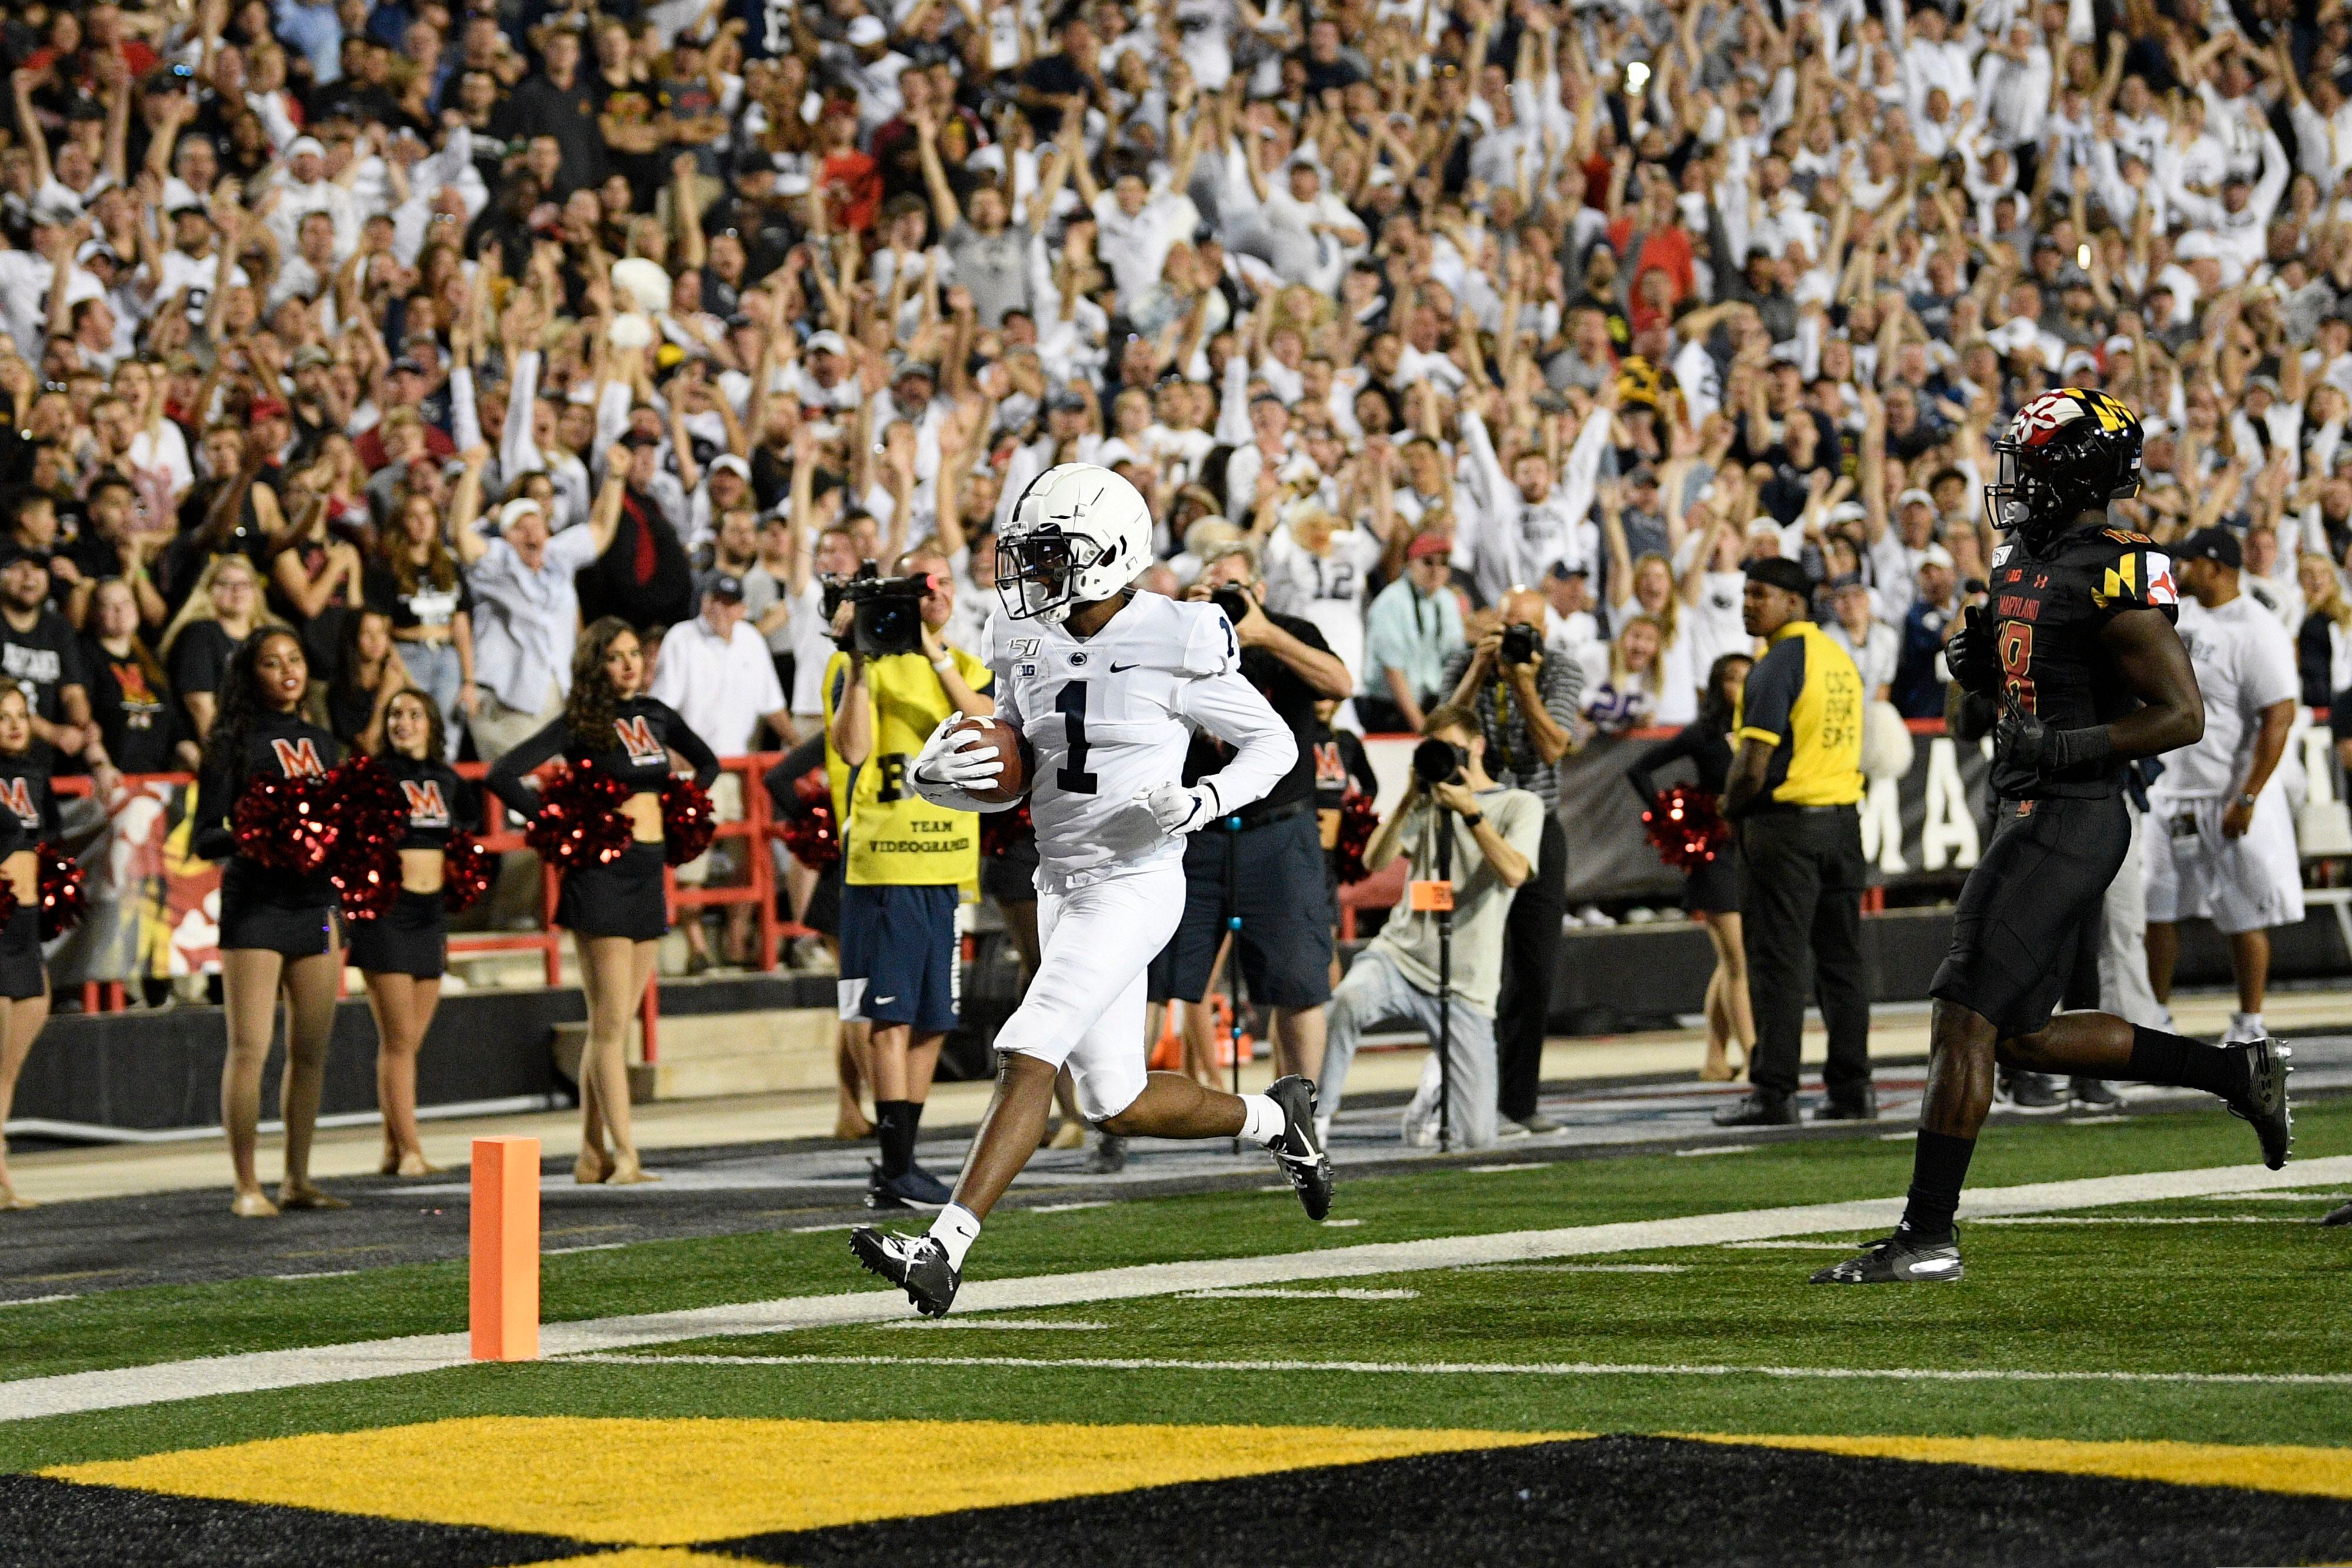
[
  {"x": 2341, "y": 1215},
  {"x": 915, "y": 1263},
  {"x": 2263, "y": 1103},
  {"x": 1299, "y": 1151},
  {"x": 1849, "y": 1105},
  {"x": 1759, "y": 1108},
  {"x": 1899, "y": 1260},
  {"x": 2034, "y": 1093},
  {"x": 916, "y": 1188}
]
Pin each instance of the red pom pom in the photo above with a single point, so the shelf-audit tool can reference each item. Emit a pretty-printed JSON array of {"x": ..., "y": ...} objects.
[
  {"x": 64, "y": 896},
  {"x": 285, "y": 823},
  {"x": 467, "y": 869},
  {"x": 689, "y": 822},
  {"x": 372, "y": 817},
  {"x": 580, "y": 821},
  {"x": 1685, "y": 828},
  {"x": 1002, "y": 831},
  {"x": 9, "y": 905},
  {"x": 1360, "y": 818},
  {"x": 808, "y": 831}
]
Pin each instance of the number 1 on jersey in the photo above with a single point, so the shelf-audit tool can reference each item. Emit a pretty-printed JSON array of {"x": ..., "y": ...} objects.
[{"x": 1072, "y": 778}]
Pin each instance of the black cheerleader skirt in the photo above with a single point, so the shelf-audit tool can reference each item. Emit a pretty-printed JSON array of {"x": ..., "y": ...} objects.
[
  {"x": 294, "y": 929},
  {"x": 1714, "y": 887},
  {"x": 410, "y": 938},
  {"x": 619, "y": 898},
  {"x": 23, "y": 975}
]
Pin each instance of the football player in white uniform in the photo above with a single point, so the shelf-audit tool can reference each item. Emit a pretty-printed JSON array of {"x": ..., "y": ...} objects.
[
  {"x": 2221, "y": 832},
  {"x": 1107, "y": 685}
]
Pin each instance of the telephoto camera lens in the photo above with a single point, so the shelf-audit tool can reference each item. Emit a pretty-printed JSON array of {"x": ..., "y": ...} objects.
[
  {"x": 1435, "y": 761},
  {"x": 1518, "y": 644}
]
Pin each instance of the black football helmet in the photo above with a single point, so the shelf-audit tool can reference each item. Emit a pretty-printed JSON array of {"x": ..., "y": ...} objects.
[{"x": 2066, "y": 452}]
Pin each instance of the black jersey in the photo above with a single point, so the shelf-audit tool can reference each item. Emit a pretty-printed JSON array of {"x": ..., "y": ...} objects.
[
  {"x": 439, "y": 802},
  {"x": 645, "y": 732},
  {"x": 2047, "y": 614},
  {"x": 29, "y": 808},
  {"x": 286, "y": 745}
]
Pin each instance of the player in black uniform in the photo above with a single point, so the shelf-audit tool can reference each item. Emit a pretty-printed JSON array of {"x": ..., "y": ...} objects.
[
  {"x": 403, "y": 951},
  {"x": 617, "y": 912},
  {"x": 2079, "y": 651}
]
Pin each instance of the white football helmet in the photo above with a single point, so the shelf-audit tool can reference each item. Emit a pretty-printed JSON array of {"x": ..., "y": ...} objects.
[{"x": 1079, "y": 533}]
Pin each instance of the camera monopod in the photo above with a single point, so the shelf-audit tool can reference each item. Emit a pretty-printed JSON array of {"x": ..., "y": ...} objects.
[
  {"x": 1233, "y": 923},
  {"x": 1435, "y": 762}
]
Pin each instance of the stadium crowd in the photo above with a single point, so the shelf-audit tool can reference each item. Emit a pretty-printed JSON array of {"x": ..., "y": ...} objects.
[{"x": 1443, "y": 317}]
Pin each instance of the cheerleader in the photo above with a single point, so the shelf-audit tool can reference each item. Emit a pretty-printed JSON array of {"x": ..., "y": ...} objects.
[
  {"x": 1711, "y": 891},
  {"x": 616, "y": 910},
  {"x": 276, "y": 928},
  {"x": 403, "y": 951},
  {"x": 30, "y": 816}
]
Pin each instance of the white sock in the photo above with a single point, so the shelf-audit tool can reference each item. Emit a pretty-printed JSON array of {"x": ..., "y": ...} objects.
[
  {"x": 2252, "y": 1022},
  {"x": 957, "y": 1228},
  {"x": 1262, "y": 1118}
]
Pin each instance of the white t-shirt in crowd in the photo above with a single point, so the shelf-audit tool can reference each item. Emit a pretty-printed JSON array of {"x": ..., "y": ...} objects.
[
  {"x": 2244, "y": 662},
  {"x": 721, "y": 687}
]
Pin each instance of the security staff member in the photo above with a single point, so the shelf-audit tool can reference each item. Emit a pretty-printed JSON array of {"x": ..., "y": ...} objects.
[
  {"x": 1527, "y": 706},
  {"x": 906, "y": 864},
  {"x": 1793, "y": 789}
]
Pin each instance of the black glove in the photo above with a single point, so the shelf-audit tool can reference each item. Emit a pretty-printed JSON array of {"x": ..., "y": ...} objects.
[
  {"x": 1968, "y": 655},
  {"x": 2024, "y": 742}
]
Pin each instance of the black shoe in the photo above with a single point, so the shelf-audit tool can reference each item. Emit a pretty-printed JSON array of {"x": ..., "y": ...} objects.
[
  {"x": 2265, "y": 1100},
  {"x": 917, "y": 1189},
  {"x": 915, "y": 1263},
  {"x": 1849, "y": 1105},
  {"x": 2094, "y": 1094},
  {"x": 1899, "y": 1260},
  {"x": 2034, "y": 1093},
  {"x": 2341, "y": 1214},
  {"x": 1107, "y": 1155},
  {"x": 1298, "y": 1151},
  {"x": 1759, "y": 1108}
]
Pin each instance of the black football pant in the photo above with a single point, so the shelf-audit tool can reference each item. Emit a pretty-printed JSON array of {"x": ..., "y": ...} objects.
[
  {"x": 1530, "y": 954},
  {"x": 1801, "y": 905}
]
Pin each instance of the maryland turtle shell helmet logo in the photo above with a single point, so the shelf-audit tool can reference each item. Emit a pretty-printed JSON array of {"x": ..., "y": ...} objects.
[{"x": 2066, "y": 452}]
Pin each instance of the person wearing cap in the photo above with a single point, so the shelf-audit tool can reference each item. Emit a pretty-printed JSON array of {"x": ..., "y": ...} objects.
[
  {"x": 716, "y": 672},
  {"x": 1920, "y": 678},
  {"x": 1793, "y": 789},
  {"x": 526, "y": 617},
  {"x": 726, "y": 485},
  {"x": 904, "y": 862},
  {"x": 2221, "y": 843},
  {"x": 28, "y": 277},
  {"x": 1413, "y": 627},
  {"x": 1870, "y": 642},
  {"x": 304, "y": 188}
]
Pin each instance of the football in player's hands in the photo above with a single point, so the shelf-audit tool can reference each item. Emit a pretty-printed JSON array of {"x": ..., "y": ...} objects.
[{"x": 986, "y": 760}]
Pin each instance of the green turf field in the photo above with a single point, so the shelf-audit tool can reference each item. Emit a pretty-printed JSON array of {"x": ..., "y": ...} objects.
[{"x": 2260, "y": 1294}]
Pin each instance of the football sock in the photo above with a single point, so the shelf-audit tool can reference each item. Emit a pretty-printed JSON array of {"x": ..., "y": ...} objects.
[
  {"x": 1939, "y": 1165},
  {"x": 1262, "y": 1118},
  {"x": 957, "y": 1227},
  {"x": 894, "y": 1129},
  {"x": 2246, "y": 1027},
  {"x": 2159, "y": 1057}
]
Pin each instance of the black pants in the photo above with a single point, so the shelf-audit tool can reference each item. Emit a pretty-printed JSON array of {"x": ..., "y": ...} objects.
[
  {"x": 1800, "y": 897},
  {"x": 1530, "y": 954}
]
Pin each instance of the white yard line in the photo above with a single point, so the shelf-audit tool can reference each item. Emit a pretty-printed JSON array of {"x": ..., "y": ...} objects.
[
  {"x": 1494, "y": 1369},
  {"x": 1345, "y": 1293},
  {"x": 1067, "y": 1325},
  {"x": 114, "y": 1388}
]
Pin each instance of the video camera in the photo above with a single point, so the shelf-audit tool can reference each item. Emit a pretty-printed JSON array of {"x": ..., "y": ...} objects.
[{"x": 890, "y": 618}]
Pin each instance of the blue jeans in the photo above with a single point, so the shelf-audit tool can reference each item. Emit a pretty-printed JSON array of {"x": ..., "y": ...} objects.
[{"x": 434, "y": 666}]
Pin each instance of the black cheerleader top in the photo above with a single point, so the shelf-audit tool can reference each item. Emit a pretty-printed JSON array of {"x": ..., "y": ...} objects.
[
  {"x": 440, "y": 804},
  {"x": 28, "y": 808},
  {"x": 645, "y": 732},
  {"x": 285, "y": 746}
]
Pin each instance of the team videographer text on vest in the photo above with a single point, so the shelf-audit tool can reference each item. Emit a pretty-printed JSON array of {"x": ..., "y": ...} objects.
[
  {"x": 906, "y": 864},
  {"x": 1793, "y": 789}
]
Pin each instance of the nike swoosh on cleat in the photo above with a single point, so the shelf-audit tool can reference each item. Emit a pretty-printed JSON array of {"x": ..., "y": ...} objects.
[
  {"x": 1935, "y": 1266},
  {"x": 884, "y": 1001}
]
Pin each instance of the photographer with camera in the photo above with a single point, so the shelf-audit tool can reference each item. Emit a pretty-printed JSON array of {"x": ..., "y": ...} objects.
[
  {"x": 1424, "y": 964},
  {"x": 1270, "y": 873},
  {"x": 906, "y": 862},
  {"x": 1525, "y": 703}
]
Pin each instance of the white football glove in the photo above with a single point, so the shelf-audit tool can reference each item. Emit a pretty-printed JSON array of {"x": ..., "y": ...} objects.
[
  {"x": 958, "y": 761},
  {"x": 1180, "y": 809}
]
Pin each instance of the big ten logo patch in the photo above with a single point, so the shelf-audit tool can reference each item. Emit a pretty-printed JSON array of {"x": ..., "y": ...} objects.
[{"x": 297, "y": 759}]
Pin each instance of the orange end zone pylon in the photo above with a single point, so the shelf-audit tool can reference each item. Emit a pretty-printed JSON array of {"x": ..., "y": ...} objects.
[{"x": 505, "y": 1296}]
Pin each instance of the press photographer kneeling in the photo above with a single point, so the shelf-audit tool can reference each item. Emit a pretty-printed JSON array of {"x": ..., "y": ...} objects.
[
  {"x": 1443, "y": 973},
  {"x": 906, "y": 862}
]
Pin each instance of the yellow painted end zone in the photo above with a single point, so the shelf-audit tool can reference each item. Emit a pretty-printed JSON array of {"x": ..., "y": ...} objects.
[{"x": 2311, "y": 1472}]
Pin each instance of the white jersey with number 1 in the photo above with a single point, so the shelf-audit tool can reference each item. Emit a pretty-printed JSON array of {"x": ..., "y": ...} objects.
[{"x": 1112, "y": 715}]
